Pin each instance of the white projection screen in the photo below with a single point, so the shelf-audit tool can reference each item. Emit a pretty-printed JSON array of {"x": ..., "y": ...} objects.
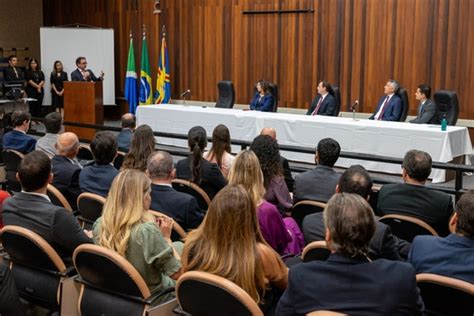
[{"x": 66, "y": 44}]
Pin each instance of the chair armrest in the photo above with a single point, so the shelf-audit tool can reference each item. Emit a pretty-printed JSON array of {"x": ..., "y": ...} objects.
[{"x": 159, "y": 294}]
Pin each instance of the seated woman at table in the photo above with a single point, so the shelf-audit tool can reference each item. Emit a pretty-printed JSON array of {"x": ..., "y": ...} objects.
[
  {"x": 262, "y": 101},
  {"x": 197, "y": 169}
]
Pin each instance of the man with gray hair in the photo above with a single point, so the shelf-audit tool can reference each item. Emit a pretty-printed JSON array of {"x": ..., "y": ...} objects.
[
  {"x": 390, "y": 105},
  {"x": 182, "y": 207}
]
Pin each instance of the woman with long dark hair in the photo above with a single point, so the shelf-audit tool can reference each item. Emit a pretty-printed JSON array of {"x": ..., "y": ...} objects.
[
  {"x": 58, "y": 76},
  {"x": 263, "y": 100},
  {"x": 35, "y": 86},
  {"x": 141, "y": 146},
  {"x": 220, "y": 152}
]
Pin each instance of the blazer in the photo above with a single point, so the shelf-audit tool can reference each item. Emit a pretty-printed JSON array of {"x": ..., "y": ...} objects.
[
  {"x": 182, "y": 207},
  {"x": 351, "y": 286},
  {"x": 318, "y": 184},
  {"x": 124, "y": 138},
  {"x": 212, "y": 180},
  {"x": 451, "y": 256},
  {"x": 264, "y": 104},
  {"x": 9, "y": 74},
  {"x": 19, "y": 141},
  {"x": 392, "y": 111},
  {"x": 433, "y": 207},
  {"x": 66, "y": 178},
  {"x": 427, "y": 113},
  {"x": 328, "y": 106},
  {"x": 382, "y": 245},
  {"x": 77, "y": 76},
  {"x": 97, "y": 179},
  {"x": 53, "y": 223}
]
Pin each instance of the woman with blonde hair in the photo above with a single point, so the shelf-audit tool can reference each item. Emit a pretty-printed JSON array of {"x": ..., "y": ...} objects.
[
  {"x": 229, "y": 244},
  {"x": 127, "y": 228},
  {"x": 141, "y": 146},
  {"x": 283, "y": 235}
]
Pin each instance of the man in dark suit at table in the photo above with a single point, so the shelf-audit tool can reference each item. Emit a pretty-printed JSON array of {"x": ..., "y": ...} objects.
[
  {"x": 324, "y": 103},
  {"x": 12, "y": 73},
  {"x": 427, "y": 110},
  {"x": 125, "y": 136},
  {"x": 348, "y": 281},
  {"x": 453, "y": 255},
  {"x": 390, "y": 105},
  {"x": 412, "y": 198},
  {"x": 33, "y": 210},
  {"x": 319, "y": 184},
  {"x": 84, "y": 74},
  {"x": 17, "y": 139}
]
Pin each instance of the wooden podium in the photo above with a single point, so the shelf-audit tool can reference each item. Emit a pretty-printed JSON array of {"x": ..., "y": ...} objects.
[{"x": 83, "y": 103}]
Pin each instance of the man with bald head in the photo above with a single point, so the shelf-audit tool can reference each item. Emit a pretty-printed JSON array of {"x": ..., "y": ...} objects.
[
  {"x": 66, "y": 168},
  {"x": 125, "y": 136}
]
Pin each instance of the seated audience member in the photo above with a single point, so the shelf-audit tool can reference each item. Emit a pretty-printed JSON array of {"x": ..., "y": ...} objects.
[
  {"x": 197, "y": 169},
  {"x": 453, "y": 255},
  {"x": 125, "y": 136},
  {"x": 390, "y": 105},
  {"x": 229, "y": 244},
  {"x": 17, "y": 138},
  {"x": 349, "y": 282},
  {"x": 427, "y": 110},
  {"x": 268, "y": 153},
  {"x": 412, "y": 198},
  {"x": 66, "y": 167},
  {"x": 142, "y": 145},
  {"x": 383, "y": 245},
  {"x": 324, "y": 103},
  {"x": 263, "y": 100},
  {"x": 182, "y": 207},
  {"x": 127, "y": 228},
  {"x": 33, "y": 210},
  {"x": 290, "y": 182},
  {"x": 97, "y": 176},
  {"x": 320, "y": 183},
  {"x": 53, "y": 123},
  {"x": 10, "y": 303},
  {"x": 283, "y": 235},
  {"x": 220, "y": 152}
]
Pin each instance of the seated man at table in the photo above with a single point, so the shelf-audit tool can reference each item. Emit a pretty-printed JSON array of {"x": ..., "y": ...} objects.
[
  {"x": 390, "y": 105},
  {"x": 427, "y": 111},
  {"x": 324, "y": 103},
  {"x": 17, "y": 138},
  {"x": 412, "y": 198},
  {"x": 453, "y": 255}
]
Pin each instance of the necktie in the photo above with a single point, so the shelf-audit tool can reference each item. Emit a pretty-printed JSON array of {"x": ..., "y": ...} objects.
[
  {"x": 16, "y": 72},
  {"x": 317, "y": 106},
  {"x": 383, "y": 108}
]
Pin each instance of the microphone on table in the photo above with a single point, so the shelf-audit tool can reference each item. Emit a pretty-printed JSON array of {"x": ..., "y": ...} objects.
[
  {"x": 353, "y": 108},
  {"x": 185, "y": 93}
]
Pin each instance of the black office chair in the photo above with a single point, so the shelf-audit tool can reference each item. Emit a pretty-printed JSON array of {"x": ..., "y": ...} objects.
[
  {"x": 402, "y": 93},
  {"x": 337, "y": 95},
  {"x": 226, "y": 97},
  {"x": 273, "y": 89},
  {"x": 448, "y": 105}
]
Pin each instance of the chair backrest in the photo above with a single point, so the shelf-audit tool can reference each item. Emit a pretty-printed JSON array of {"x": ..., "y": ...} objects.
[
  {"x": 407, "y": 227},
  {"x": 193, "y": 189},
  {"x": 85, "y": 153},
  {"x": 12, "y": 160},
  {"x": 201, "y": 293},
  {"x": 316, "y": 250},
  {"x": 176, "y": 227},
  {"x": 306, "y": 207},
  {"x": 402, "y": 93},
  {"x": 337, "y": 95},
  {"x": 109, "y": 283},
  {"x": 448, "y": 105},
  {"x": 325, "y": 313},
  {"x": 119, "y": 159},
  {"x": 57, "y": 198},
  {"x": 226, "y": 92},
  {"x": 273, "y": 89},
  {"x": 90, "y": 207},
  {"x": 445, "y": 296}
]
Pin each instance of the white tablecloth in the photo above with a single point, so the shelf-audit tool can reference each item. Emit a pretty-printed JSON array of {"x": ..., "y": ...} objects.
[{"x": 392, "y": 139}]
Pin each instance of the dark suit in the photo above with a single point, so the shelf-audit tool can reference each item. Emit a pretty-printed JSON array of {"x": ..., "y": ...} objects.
[
  {"x": 10, "y": 76},
  {"x": 318, "y": 184},
  {"x": 212, "y": 179},
  {"x": 392, "y": 110},
  {"x": 452, "y": 256},
  {"x": 427, "y": 113},
  {"x": 327, "y": 107},
  {"x": 123, "y": 139},
  {"x": 53, "y": 223},
  {"x": 382, "y": 245},
  {"x": 182, "y": 207},
  {"x": 351, "y": 286},
  {"x": 263, "y": 104},
  {"x": 76, "y": 75},
  {"x": 97, "y": 179},
  {"x": 433, "y": 207},
  {"x": 66, "y": 178},
  {"x": 290, "y": 182},
  {"x": 19, "y": 141}
]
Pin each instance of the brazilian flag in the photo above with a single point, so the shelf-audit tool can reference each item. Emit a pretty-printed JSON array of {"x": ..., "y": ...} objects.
[{"x": 145, "y": 77}]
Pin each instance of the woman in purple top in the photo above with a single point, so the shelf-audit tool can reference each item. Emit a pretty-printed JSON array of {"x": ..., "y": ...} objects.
[{"x": 283, "y": 235}]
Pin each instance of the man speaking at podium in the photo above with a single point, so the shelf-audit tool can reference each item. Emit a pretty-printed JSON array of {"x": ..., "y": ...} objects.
[{"x": 84, "y": 74}]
